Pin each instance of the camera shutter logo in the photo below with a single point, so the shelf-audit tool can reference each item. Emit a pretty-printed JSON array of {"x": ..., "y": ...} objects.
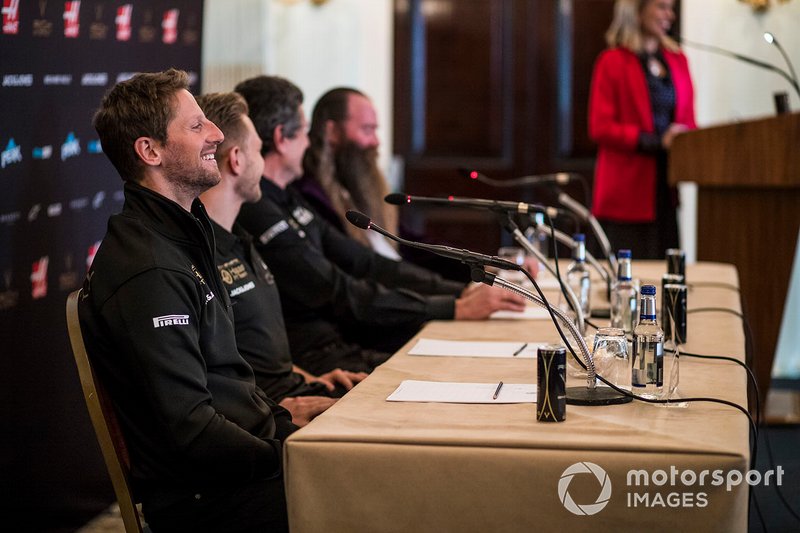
[{"x": 602, "y": 498}]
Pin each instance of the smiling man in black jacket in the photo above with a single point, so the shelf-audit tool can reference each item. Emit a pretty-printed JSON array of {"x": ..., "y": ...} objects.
[{"x": 205, "y": 442}]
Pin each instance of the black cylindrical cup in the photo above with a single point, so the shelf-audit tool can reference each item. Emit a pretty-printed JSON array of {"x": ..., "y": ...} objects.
[
  {"x": 781, "y": 103},
  {"x": 674, "y": 312},
  {"x": 551, "y": 402},
  {"x": 666, "y": 279},
  {"x": 676, "y": 261}
]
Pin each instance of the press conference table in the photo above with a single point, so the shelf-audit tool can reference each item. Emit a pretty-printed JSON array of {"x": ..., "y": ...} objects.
[{"x": 371, "y": 465}]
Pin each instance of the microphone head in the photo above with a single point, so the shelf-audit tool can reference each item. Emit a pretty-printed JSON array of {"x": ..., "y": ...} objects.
[
  {"x": 359, "y": 220},
  {"x": 397, "y": 198},
  {"x": 469, "y": 173}
]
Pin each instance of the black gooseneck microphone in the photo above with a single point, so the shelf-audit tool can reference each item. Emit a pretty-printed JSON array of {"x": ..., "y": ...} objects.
[
  {"x": 558, "y": 178},
  {"x": 589, "y": 395},
  {"x": 397, "y": 198},
  {"x": 749, "y": 60},
  {"x": 360, "y": 220}
]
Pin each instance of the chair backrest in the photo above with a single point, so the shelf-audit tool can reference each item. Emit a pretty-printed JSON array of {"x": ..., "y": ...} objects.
[{"x": 104, "y": 420}]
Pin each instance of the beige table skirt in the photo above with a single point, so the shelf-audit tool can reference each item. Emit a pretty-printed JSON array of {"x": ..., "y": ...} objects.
[{"x": 372, "y": 465}]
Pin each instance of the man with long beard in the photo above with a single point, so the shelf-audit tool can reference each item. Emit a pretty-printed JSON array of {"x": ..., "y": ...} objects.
[
  {"x": 341, "y": 169},
  {"x": 341, "y": 172}
]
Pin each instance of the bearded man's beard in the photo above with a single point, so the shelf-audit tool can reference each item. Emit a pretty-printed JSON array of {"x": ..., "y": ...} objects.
[{"x": 352, "y": 180}]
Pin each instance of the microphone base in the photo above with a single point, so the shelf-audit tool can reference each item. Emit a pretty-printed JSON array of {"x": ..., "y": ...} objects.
[{"x": 596, "y": 396}]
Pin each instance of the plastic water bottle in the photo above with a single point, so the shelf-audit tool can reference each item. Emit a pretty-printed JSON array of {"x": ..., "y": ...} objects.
[
  {"x": 647, "y": 362},
  {"x": 624, "y": 297},
  {"x": 578, "y": 274}
]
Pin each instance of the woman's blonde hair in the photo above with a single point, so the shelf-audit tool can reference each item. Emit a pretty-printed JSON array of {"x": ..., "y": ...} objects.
[{"x": 626, "y": 30}]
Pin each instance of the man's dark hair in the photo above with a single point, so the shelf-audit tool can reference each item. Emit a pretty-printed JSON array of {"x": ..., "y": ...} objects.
[
  {"x": 142, "y": 106},
  {"x": 273, "y": 102}
]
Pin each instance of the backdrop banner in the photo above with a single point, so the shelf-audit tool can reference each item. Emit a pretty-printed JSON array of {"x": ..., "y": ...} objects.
[{"x": 57, "y": 190}]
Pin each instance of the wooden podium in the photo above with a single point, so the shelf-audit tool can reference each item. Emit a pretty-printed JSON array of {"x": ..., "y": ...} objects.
[{"x": 748, "y": 213}]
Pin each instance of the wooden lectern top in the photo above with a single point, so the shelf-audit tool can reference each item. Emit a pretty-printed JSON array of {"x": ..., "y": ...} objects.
[{"x": 761, "y": 153}]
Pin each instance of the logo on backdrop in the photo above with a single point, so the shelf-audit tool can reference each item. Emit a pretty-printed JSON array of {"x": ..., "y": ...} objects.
[
  {"x": 17, "y": 80},
  {"x": 43, "y": 152},
  {"x": 41, "y": 26},
  {"x": 12, "y": 154},
  {"x": 91, "y": 253},
  {"x": 8, "y": 296},
  {"x": 72, "y": 25},
  {"x": 10, "y": 17},
  {"x": 57, "y": 79},
  {"x": 68, "y": 279},
  {"x": 94, "y": 79},
  {"x": 34, "y": 211},
  {"x": 98, "y": 30},
  {"x": 191, "y": 33},
  {"x": 602, "y": 498},
  {"x": 71, "y": 147},
  {"x": 39, "y": 278},
  {"x": 147, "y": 32},
  {"x": 169, "y": 25},
  {"x": 94, "y": 147},
  {"x": 123, "y": 22}
]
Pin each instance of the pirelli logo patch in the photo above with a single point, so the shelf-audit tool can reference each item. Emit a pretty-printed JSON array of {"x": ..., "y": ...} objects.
[
  {"x": 273, "y": 231},
  {"x": 170, "y": 320}
]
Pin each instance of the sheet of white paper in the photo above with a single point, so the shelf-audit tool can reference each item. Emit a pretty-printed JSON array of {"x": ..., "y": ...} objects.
[
  {"x": 448, "y": 392},
  {"x": 475, "y": 348},
  {"x": 531, "y": 312},
  {"x": 548, "y": 282}
]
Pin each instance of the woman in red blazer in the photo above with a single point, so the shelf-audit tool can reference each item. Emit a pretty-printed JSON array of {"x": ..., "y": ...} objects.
[{"x": 641, "y": 98}]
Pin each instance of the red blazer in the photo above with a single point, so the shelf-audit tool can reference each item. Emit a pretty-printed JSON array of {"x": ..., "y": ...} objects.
[{"x": 619, "y": 108}]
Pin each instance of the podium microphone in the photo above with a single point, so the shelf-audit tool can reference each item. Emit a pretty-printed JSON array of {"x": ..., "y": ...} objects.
[
  {"x": 360, "y": 220},
  {"x": 749, "y": 60},
  {"x": 770, "y": 38}
]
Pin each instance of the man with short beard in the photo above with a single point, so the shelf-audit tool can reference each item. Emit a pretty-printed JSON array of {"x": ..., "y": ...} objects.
[
  {"x": 204, "y": 440},
  {"x": 258, "y": 319}
]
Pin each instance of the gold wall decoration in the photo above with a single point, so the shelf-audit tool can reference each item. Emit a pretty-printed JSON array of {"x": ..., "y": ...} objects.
[
  {"x": 761, "y": 5},
  {"x": 291, "y": 2}
]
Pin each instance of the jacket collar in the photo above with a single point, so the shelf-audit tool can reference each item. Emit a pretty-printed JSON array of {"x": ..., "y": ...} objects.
[{"x": 166, "y": 216}]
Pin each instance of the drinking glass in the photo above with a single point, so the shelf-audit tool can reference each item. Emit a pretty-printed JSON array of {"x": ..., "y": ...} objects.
[{"x": 611, "y": 359}]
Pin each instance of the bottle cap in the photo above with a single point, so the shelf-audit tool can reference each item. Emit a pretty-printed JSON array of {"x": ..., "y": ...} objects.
[
  {"x": 624, "y": 254},
  {"x": 579, "y": 237},
  {"x": 648, "y": 290}
]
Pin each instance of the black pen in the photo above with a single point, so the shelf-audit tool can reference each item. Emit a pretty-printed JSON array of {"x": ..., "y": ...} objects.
[
  {"x": 520, "y": 349},
  {"x": 497, "y": 390}
]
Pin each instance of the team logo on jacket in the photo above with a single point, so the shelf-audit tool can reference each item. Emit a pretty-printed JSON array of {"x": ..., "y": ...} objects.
[
  {"x": 198, "y": 275},
  {"x": 170, "y": 320},
  {"x": 273, "y": 231},
  {"x": 302, "y": 215}
]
